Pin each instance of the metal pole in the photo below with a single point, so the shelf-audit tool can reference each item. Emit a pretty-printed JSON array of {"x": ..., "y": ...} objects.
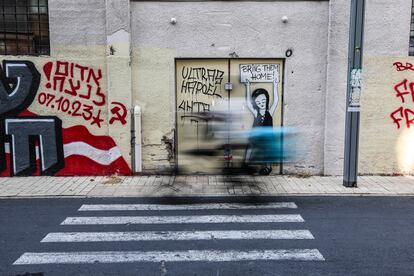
[{"x": 356, "y": 35}]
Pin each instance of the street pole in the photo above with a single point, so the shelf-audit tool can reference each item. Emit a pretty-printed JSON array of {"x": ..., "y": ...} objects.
[{"x": 356, "y": 35}]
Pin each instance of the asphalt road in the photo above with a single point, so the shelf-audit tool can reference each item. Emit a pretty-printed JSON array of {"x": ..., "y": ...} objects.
[{"x": 345, "y": 236}]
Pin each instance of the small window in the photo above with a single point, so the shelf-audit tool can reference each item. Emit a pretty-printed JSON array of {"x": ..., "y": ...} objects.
[
  {"x": 411, "y": 50},
  {"x": 24, "y": 27}
]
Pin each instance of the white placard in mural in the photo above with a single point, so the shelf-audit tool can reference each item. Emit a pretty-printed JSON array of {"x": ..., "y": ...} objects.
[{"x": 259, "y": 73}]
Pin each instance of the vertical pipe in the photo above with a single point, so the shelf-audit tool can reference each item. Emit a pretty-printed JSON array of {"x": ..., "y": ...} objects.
[
  {"x": 356, "y": 35},
  {"x": 137, "y": 162}
]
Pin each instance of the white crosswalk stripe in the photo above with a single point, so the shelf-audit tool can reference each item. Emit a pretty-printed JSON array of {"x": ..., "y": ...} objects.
[
  {"x": 177, "y": 235},
  {"x": 168, "y": 256},
  {"x": 205, "y": 206},
  {"x": 181, "y": 219},
  {"x": 253, "y": 221}
]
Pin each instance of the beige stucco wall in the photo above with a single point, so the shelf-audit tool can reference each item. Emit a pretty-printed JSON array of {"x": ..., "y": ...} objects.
[
  {"x": 385, "y": 148},
  {"x": 153, "y": 90}
]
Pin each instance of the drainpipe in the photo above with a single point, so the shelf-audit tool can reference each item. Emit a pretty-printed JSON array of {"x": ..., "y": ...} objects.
[
  {"x": 136, "y": 140},
  {"x": 356, "y": 36}
]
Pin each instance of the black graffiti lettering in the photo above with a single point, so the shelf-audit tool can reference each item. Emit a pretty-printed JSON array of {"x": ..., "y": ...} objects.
[
  {"x": 201, "y": 87},
  {"x": 19, "y": 81},
  {"x": 186, "y": 70},
  {"x": 201, "y": 107},
  {"x": 203, "y": 74},
  {"x": 201, "y": 81},
  {"x": 188, "y": 87},
  {"x": 182, "y": 105},
  {"x": 211, "y": 74},
  {"x": 193, "y": 106},
  {"x": 184, "y": 87},
  {"x": 211, "y": 89},
  {"x": 246, "y": 68},
  {"x": 189, "y": 108},
  {"x": 262, "y": 76},
  {"x": 191, "y": 87},
  {"x": 219, "y": 77},
  {"x": 23, "y": 132},
  {"x": 194, "y": 87},
  {"x": 191, "y": 75},
  {"x": 269, "y": 67}
]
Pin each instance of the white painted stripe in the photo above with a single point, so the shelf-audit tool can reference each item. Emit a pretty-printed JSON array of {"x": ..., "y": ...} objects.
[
  {"x": 103, "y": 157},
  {"x": 21, "y": 120},
  {"x": 93, "y": 257},
  {"x": 158, "y": 207},
  {"x": 177, "y": 235},
  {"x": 181, "y": 219}
]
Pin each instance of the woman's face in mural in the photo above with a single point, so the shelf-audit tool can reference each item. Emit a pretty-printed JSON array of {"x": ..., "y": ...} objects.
[{"x": 261, "y": 101}]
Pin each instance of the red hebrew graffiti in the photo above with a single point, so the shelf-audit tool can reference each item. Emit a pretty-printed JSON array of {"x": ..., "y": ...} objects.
[
  {"x": 74, "y": 89},
  {"x": 404, "y": 90}
]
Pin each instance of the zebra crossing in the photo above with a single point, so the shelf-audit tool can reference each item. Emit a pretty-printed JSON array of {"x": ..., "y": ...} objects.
[{"x": 244, "y": 221}]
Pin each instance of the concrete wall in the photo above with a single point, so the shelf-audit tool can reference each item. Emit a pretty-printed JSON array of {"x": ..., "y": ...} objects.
[
  {"x": 337, "y": 68},
  {"x": 223, "y": 29}
]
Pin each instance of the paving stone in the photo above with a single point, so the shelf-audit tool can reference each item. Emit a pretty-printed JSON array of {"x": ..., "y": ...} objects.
[{"x": 215, "y": 185}]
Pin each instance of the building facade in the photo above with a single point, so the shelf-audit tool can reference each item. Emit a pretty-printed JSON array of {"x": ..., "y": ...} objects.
[{"x": 100, "y": 87}]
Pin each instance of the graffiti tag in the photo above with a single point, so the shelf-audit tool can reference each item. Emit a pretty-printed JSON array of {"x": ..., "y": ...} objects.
[
  {"x": 19, "y": 81},
  {"x": 399, "y": 66},
  {"x": 73, "y": 89},
  {"x": 119, "y": 113},
  {"x": 259, "y": 73},
  {"x": 201, "y": 80},
  {"x": 404, "y": 91}
]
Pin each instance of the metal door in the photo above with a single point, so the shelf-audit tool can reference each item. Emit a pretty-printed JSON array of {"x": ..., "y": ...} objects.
[{"x": 200, "y": 87}]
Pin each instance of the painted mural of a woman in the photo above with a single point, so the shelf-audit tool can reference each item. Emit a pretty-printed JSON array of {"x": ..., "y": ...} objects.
[{"x": 258, "y": 103}]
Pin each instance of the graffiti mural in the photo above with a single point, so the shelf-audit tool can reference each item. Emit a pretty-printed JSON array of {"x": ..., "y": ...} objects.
[
  {"x": 404, "y": 91},
  {"x": 19, "y": 83},
  {"x": 31, "y": 144},
  {"x": 258, "y": 101},
  {"x": 199, "y": 87},
  {"x": 206, "y": 89}
]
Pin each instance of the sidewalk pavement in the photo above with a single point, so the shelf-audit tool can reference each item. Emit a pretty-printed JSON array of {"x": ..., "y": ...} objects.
[{"x": 216, "y": 185}]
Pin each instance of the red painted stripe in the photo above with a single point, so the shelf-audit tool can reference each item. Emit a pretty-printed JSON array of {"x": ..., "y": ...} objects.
[
  {"x": 7, "y": 170},
  {"x": 27, "y": 113},
  {"x": 82, "y": 134},
  {"x": 81, "y": 165}
]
